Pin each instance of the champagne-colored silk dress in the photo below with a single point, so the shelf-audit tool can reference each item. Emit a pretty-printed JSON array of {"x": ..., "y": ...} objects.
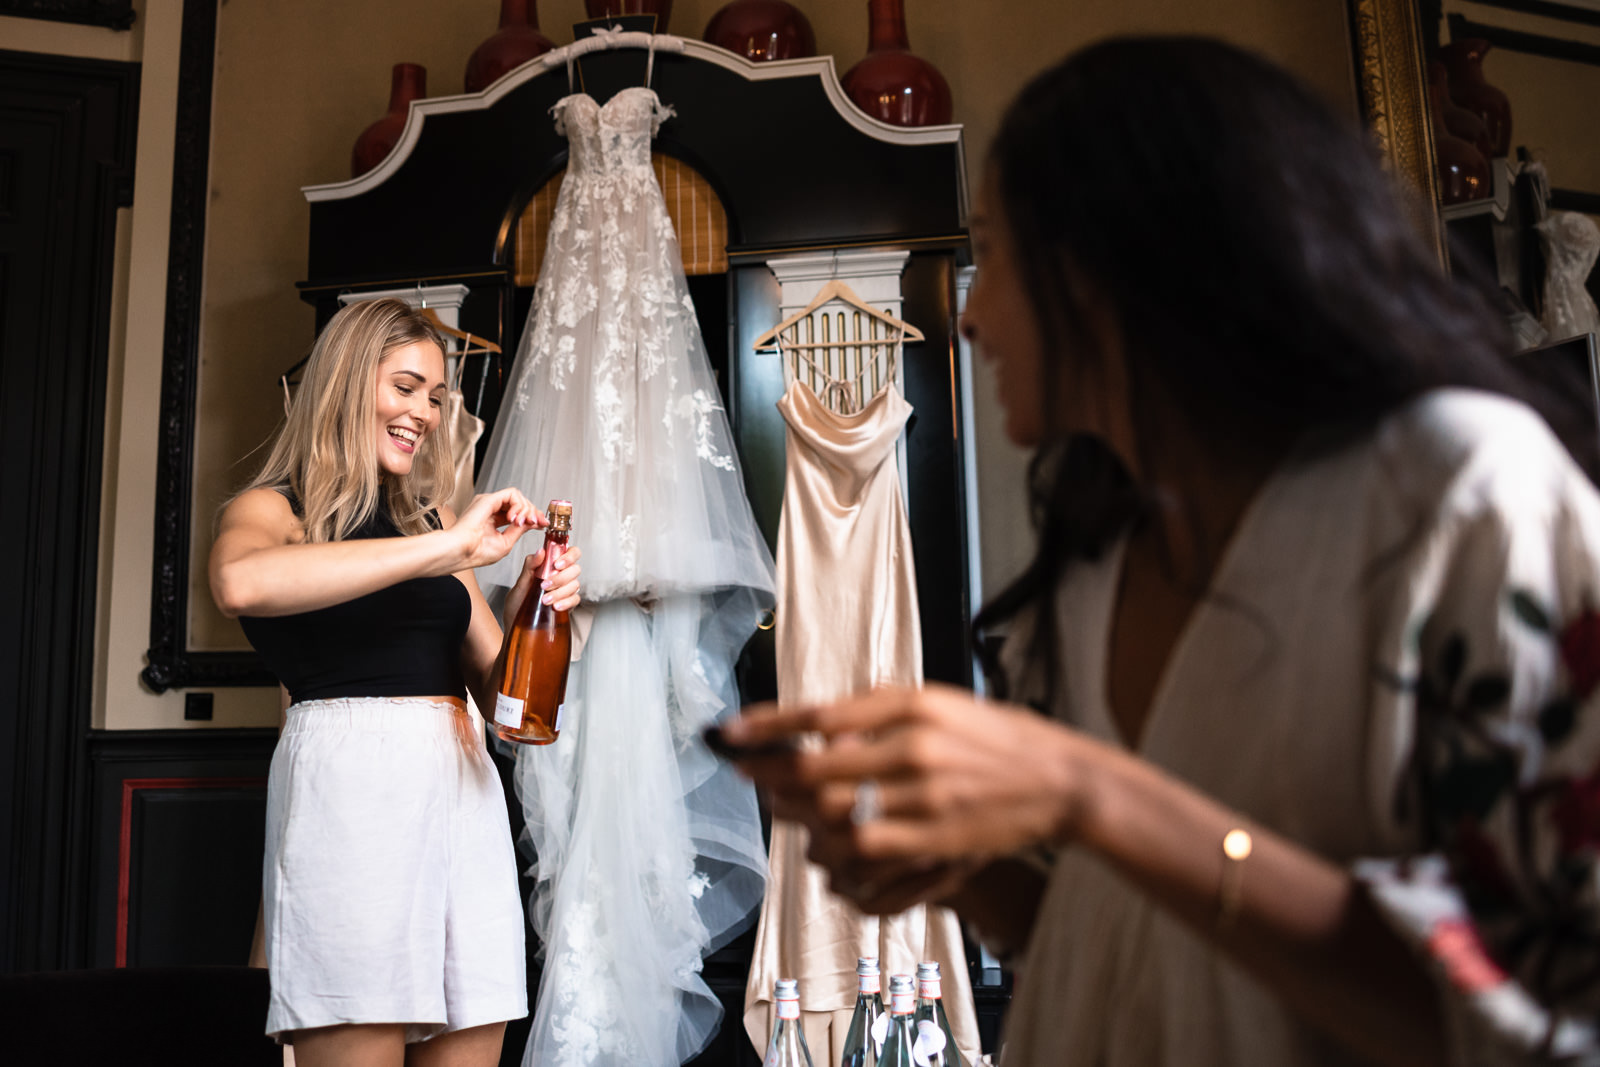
[{"x": 847, "y": 620}]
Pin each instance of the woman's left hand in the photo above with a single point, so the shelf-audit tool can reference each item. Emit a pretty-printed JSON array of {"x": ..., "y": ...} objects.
[
  {"x": 909, "y": 778},
  {"x": 560, "y": 589}
]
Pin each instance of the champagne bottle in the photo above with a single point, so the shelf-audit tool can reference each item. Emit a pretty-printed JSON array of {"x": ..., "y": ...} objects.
[
  {"x": 788, "y": 1046},
  {"x": 930, "y": 1011},
  {"x": 901, "y": 1041},
  {"x": 870, "y": 1023},
  {"x": 538, "y": 648}
]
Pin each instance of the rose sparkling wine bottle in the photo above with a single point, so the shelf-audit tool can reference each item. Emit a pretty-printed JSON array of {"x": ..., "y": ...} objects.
[{"x": 538, "y": 649}]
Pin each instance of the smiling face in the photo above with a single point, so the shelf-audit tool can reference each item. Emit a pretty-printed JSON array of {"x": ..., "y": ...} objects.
[{"x": 410, "y": 404}]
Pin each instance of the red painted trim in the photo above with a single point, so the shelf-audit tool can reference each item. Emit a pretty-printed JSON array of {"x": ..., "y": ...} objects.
[{"x": 125, "y": 838}]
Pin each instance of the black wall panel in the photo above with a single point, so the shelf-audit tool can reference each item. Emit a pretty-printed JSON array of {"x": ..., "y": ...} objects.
[{"x": 67, "y": 130}]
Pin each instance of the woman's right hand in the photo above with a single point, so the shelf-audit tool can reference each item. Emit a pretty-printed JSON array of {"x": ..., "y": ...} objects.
[{"x": 492, "y": 524}]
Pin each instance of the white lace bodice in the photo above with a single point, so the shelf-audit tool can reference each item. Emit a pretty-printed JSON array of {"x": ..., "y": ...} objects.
[{"x": 610, "y": 139}]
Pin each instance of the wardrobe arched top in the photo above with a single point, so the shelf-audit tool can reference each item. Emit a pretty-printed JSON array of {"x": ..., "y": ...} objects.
[{"x": 795, "y": 162}]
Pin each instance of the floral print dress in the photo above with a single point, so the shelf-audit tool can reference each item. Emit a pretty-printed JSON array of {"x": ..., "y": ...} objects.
[{"x": 1396, "y": 668}]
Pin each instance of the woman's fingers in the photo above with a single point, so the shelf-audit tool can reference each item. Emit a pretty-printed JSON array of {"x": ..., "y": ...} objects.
[
  {"x": 934, "y": 774},
  {"x": 561, "y": 588},
  {"x": 876, "y": 710}
]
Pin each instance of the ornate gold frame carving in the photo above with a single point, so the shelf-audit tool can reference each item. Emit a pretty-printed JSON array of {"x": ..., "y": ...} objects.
[{"x": 1393, "y": 88}]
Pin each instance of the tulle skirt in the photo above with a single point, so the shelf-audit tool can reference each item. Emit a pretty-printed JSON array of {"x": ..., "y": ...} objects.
[{"x": 646, "y": 850}]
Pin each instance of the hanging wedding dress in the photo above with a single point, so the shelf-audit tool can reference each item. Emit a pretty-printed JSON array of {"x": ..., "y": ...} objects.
[{"x": 647, "y": 850}]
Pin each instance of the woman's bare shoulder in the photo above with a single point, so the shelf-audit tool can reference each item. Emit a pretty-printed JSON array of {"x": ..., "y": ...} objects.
[{"x": 264, "y": 510}]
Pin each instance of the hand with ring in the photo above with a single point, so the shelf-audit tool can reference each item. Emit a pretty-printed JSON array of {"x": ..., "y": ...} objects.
[{"x": 909, "y": 780}]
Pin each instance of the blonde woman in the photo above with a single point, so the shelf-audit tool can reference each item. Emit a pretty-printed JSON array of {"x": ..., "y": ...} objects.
[{"x": 393, "y": 923}]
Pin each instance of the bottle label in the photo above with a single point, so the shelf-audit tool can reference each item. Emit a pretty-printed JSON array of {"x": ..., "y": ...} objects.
[
  {"x": 880, "y": 1031},
  {"x": 561, "y": 713},
  {"x": 508, "y": 711},
  {"x": 927, "y": 1050},
  {"x": 870, "y": 984},
  {"x": 788, "y": 1009},
  {"x": 903, "y": 1003},
  {"x": 928, "y": 988}
]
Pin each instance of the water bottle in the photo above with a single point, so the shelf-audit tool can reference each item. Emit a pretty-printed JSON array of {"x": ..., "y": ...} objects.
[
  {"x": 932, "y": 1024},
  {"x": 869, "y": 1025},
  {"x": 902, "y": 1039},
  {"x": 788, "y": 1047}
]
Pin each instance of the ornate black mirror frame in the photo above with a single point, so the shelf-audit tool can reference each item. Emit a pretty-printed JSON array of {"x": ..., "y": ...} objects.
[
  {"x": 1392, "y": 84},
  {"x": 172, "y": 665}
]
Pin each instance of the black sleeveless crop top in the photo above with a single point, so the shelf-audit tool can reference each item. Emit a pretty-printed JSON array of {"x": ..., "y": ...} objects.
[{"x": 401, "y": 641}]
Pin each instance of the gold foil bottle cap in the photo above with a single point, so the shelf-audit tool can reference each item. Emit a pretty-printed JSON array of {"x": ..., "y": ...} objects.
[{"x": 560, "y": 512}]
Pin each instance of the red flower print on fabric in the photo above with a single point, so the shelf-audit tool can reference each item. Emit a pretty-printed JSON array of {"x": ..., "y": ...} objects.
[
  {"x": 1580, "y": 652},
  {"x": 1576, "y": 815}
]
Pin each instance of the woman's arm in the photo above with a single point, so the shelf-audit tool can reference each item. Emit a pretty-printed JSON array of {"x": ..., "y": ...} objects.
[
  {"x": 260, "y": 566},
  {"x": 960, "y": 779}
]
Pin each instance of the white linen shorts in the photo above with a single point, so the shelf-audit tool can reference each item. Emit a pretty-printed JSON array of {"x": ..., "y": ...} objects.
[{"x": 390, "y": 882}]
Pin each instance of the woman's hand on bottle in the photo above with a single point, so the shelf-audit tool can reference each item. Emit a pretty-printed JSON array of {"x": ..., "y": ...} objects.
[
  {"x": 560, "y": 590},
  {"x": 491, "y": 525},
  {"x": 909, "y": 779}
]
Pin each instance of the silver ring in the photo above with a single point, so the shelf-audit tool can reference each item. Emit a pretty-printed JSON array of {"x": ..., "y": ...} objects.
[{"x": 868, "y": 804}]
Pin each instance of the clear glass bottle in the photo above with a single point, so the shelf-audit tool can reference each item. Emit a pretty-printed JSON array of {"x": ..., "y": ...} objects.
[
  {"x": 533, "y": 688},
  {"x": 870, "y": 1024},
  {"x": 930, "y": 1010},
  {"x": 788, "y": 1046},
  {"x": 902, "y": 1038}
]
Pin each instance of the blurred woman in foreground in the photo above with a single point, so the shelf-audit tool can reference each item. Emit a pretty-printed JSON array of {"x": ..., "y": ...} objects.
[{"x": 1310, "y": 619}]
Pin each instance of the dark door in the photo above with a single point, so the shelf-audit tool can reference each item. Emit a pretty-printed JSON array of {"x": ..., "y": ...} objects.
[{"x": 67, "y": 131}]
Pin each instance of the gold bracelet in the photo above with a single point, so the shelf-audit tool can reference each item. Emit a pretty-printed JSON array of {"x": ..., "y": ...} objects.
[{"x": 1236, "y": 848}]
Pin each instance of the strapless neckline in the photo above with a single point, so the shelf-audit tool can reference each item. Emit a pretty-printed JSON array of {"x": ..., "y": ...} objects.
[{"x": 571, "y": 98}]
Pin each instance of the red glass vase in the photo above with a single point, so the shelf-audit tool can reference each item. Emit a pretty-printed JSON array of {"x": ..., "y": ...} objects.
[
  {"x": 1463, "y": 170},
  {"x": 408, "y": 82},
  {"x": 761, "y": 30},
  {"x": 1457, "y": 119},
  {"x": 1471, "y": 90},
  {"x": 891, "y": 84},
  {"x": 661, "y": 9},
  {"x": 516, "y": 41}
]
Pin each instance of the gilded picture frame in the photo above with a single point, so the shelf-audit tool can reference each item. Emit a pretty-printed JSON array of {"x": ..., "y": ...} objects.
[{"x": 1392, "y": 87}]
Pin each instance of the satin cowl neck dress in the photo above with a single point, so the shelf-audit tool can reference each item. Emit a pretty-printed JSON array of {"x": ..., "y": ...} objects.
[{"x": 847, "y": 621}]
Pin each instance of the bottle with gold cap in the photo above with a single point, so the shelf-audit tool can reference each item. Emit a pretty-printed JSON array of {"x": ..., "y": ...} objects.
[{"x": 538, "y": 649}]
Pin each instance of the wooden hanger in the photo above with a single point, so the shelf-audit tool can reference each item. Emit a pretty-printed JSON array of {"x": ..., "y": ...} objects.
[
  {"x": 474, "y": 345},
  {"x": 837, "y": 290}
]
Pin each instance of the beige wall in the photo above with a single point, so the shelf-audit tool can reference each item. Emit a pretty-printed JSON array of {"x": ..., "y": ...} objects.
[{"x": 297, "y": 81}]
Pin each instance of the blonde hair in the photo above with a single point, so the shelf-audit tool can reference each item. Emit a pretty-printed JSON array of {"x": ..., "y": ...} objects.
[{"x": 326, "y": 456}]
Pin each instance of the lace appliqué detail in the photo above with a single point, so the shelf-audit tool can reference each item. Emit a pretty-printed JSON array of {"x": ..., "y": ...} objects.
[
  {"x": 618, "y": 285},
  {"x": 696, "y": 409}
]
